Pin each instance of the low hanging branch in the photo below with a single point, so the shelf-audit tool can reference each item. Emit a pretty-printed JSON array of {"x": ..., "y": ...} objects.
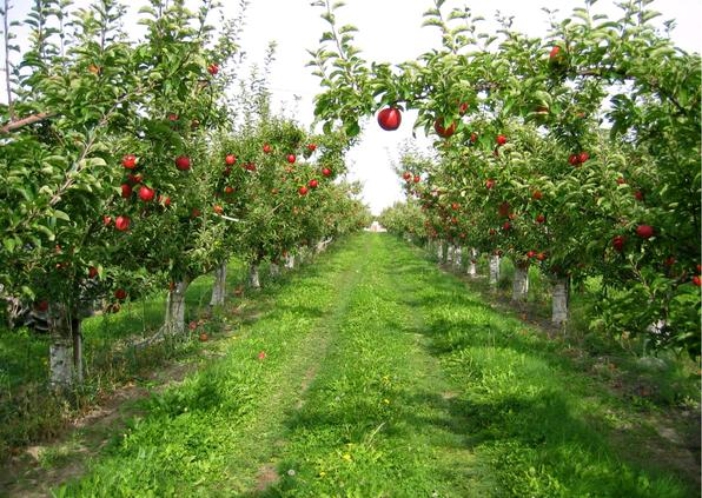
[{"x": 15, "y": 125}]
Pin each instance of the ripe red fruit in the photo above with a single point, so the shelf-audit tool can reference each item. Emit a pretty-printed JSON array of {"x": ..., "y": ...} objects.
[
  {"x": 129, "y": 161},
  {"x": 503, "y": 209},
  {"x": 473, "y": 137},
  {"x": 407, "y": 176},
  {"x": 618, "y": 242},
  {"x": 574, "y": 159},
  {"x": 230, "y": 160},
  {"x": 291, "y": 158},
  {"x": 218, "y": 209},
  {"x": 250, "y": 167},
  {"x": 537, "y": 195},
  {"x": 697, "y": 280},
  {"x": 501, "y": 140},
  {"x": 107, "y": 220},
  {"x": 121, "y": 294},
  {"x": 506, "y": 226},
  {"x": 490, "y": 183},
  {"x": 621, "y": 180},
  {"x": 390, "y": 118},
  {"x": 669, "y": 261},
  {"x": 441, "y": 130},
  {"x": 213, "y": 69},
  {"x": 228, "y": 189},
  {"x": 313, "y": 183},
  {"x": 92, "y": 272},
  {"x": 122, "y": 223},
  {"x": 134, "y": 179},
  {"x": 699, "y": 268},
  {"x": 583, "y": 157},
  {"x": 267, "y": 149},
  {"x": 540, "y": 218},
  {"x": 146, "y": 194},
  {"x": 417, "y": 179},
  {"x": 531, "y": 254},
  {"x": 42, "y": 305},
  {"x": 312, "y": 147},
  {"x": 541, "y": 256},
  {"x": 195, "y": 213},
  {"x": 182, "y": 163},
  {"x": 172, "y": 116},
  {"x": 645, "y": 231},
  {"x": 164, "y": 201},
  {"x": 463, "y": 108},
  {"x": 455, "y": 206},
  {"x": 554, "y": 52},
  {"x": 326, "y": 172},
  {"x": 639, "y": 196},
  {"x": 262, "y": 355},
  {"x": 302, "y": 190},
  {"x": 126, "y": 190}
]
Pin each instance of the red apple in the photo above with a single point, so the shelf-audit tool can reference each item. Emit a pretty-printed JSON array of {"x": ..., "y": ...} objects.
[
  {"x": 228, "y": 189},
  {"x": 501, "y": 140},
  {"x": 407, "y": 176},
  {"x": 645, "y": 231},
  {"x": 639, "y": 196},
  {"x": 42, "y": 305},
  {"x": 697, "y": 280},
  {"x": 583, "y": 157},
  {"x": 164, "y": 201},
  {"x": 291, "y": 158},
  {"x": 129, "y": 161},
  {"x": 312, "y": 147},
  {"x": 172, "y": 117},
  {"x": 213, "y": 69},
  {"x": 417, "y": 179},
  {"x": 618, "y": 242},
  {"x": 230, "y": 160},
  {"x": 390, "y": 118},
  {"x": 574, "y": 159},
  {"x": 313, "y": 183},
  {"x": 455, "y": 206},
  {"x": 541, "y": 256},
  {"x": 302, "y": 190},
  {"x": 122, "y": 223},
  {"x": 121, "y": 294},
  {"x": 107, "y": 220},
  {"x": 537, "y": 195},
  {"x": 443, "y": 131},
  {"x": 621, "y": 180},
  {"x": 540, "y": 218},
  {"x": 195, "y": 213},
  {"x": 463, "y": 108},
  {"x": 267, "y": 149},
  {"x": 135, "y": 179},
  {"x": 218, "y": 209},
  {"x": 669, "y": 261},
  {"x": 490, "y": 183},
  {"x": 146, "y": 194},
  {"x": 531, "y": 254},
  {"x": 473, "y": 137},
  {"x": 326, "y": 172},
  {"x": 182, "y": 163},
  {"x": 92, "y": 272},
  {"x": 126, "y": 190},
  {"x": 554, "y": 52},
  {"x": 506, "y": 226},
  {"x": 262, "y": 355}
]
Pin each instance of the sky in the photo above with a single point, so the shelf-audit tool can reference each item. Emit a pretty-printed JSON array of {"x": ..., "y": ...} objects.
[{"x": 388, "y": 31}]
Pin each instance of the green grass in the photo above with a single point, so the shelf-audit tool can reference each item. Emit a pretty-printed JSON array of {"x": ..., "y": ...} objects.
[{"x": 383, "y": 377}]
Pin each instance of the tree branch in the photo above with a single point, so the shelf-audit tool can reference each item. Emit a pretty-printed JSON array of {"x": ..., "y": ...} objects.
[{"x": 19, "y": 123}]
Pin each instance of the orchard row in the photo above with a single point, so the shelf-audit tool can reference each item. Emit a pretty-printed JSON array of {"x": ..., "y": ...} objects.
[
  {"x": 133, "y": 166},
  {"x": 578, "y": 151}
]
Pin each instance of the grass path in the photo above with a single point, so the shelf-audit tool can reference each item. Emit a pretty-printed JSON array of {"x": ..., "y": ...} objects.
[{"x": 382, "y": 377}]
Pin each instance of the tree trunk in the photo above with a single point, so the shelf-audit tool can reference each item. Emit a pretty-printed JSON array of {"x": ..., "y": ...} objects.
[
  {"x": 560, "y": 297},
  {"x": 439, "y": 250},
  {"x": 290, "y": 261},
  {"x": 444, "y": 252},
  {"x": 275, "y": 270},
  {"x": 520, "y": 284},
  {"x": 219, "y": 289},
  {"x": 473, "y": 263},
  {"x": 494, "y": 269},
  {"x": 254, "y": 280},
  {"x": 175, "y": 308},
  {"x": 457, "y": 256},
  {"x": 61, "y": 348},
  {"x": 77, "y": 332}
]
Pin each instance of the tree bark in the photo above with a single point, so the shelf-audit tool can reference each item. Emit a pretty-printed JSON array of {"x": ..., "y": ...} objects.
[
  {"x": 520, "y": 284},
  {"x": 560, "y": 298},
  {"x": 472, "y": 263},
  {"x": 275, "y": 270},
  {"x": 290, "y": 261},
  {"x": 494, "y": 269},
  {"x": 61, "y": 348},
  {"x": 77, "y": 331},
  {"x": 174, "y": 322},
  {"x": 444, "y": 252},
  {"x": 457, "y": 256},
  {"x": 219, "y": 289},
  {"x": 254, "y": 280}
]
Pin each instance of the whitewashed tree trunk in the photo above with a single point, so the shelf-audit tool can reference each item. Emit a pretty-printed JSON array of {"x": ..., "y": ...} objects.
[
  {"x": 473, "y": 263},
  {"x": 275, "y": 270},
  {"x": 439, "y": 250},
  {"x": 174, "y": 322},
  {"x": 290, "y": 261},
  {"x": 520, "y": 284},
  {"x": 61, "y": 348},
  {"x": 560, "y": 297},
  {"x": 254, "y": 280},
  {"x": 457, "y": 256},
  {"x": 219, "y": 288},
  {"x": 494, "y": 269}
]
